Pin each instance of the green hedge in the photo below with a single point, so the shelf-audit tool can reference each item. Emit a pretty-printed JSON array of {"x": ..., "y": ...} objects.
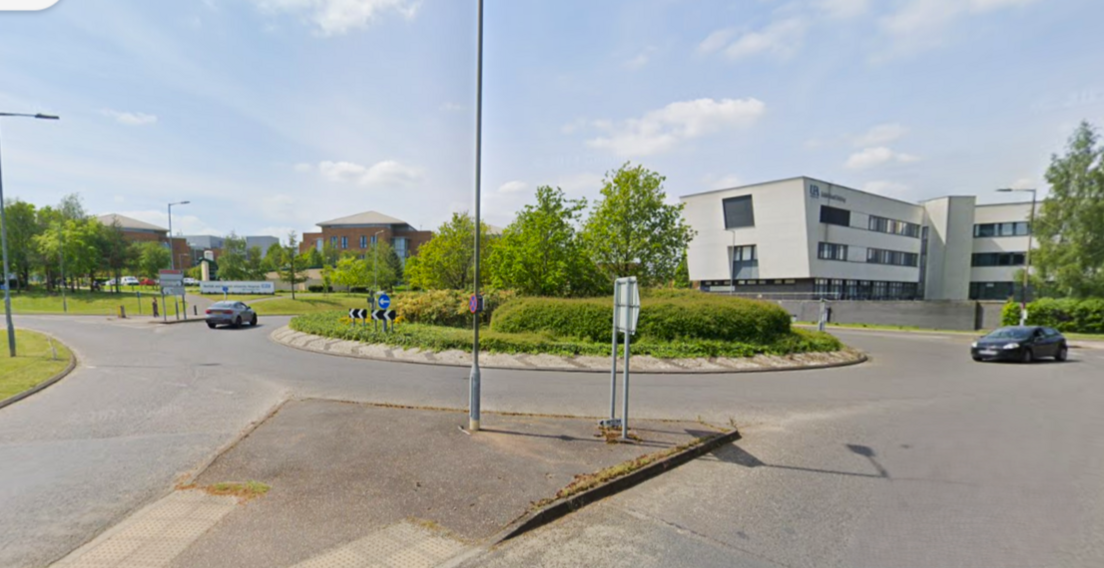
[
  {"x": 1067, "y": 315},
  {"x": 437, "y": 338},
  {"x": 446, "y": 307},
  {"x": 666, "y": 317}
]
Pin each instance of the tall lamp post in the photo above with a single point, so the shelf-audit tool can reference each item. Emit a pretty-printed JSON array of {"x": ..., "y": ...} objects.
[
  {"x": 172, "y": 256},
  {"x": 474, "y": 392},
  {"x": 1027, "y": 260},
  {"x": 4, "y": 237}
]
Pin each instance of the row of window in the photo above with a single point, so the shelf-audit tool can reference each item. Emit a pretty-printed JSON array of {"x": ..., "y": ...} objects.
[
  {"x": 865, "y": 289},
  {"x": 830, "y": 251},
  {"x": 1017, "y": 229},
  {"x": 993, "y": 290},
  {"x": 998, "y": 259},
  {"x": 894, "y": 227},
  {"x": 892, "y": 257},
  {"x": 364, "y": 242}
]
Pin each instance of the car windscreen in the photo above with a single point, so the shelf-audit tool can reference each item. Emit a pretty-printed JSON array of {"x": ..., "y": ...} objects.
[
  {"x": 223, "y": 305},
  {"x": 1010, "y": 333}
]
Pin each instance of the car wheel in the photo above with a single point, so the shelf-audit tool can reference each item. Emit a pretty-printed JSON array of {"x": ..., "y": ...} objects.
[
  {"x": 1063, "y": 352},
  {"x": 237, "y": 321},
  {"x": 211, "y": 325},
  {"x": 1028, "y": 356},
  {"x": 977, "y": 359},
  {"x": 253, "y": 321}
]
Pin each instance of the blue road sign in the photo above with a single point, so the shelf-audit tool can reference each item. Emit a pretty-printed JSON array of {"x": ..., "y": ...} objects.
[
  {"x": 225, "y": 289},
  {"x": 384, "y": 301}
]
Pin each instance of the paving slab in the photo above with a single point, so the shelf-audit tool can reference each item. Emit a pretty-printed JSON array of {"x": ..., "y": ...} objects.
[{"x": 341, "y": 473}]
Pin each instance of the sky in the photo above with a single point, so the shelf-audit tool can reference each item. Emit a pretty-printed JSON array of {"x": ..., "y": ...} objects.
[{"x": 273, "y": 115}]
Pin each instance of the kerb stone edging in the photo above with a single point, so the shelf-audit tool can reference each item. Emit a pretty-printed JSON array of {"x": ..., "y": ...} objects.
[
  {"x": 48, "y": 382},
  {"x": 583, "y": 364}
]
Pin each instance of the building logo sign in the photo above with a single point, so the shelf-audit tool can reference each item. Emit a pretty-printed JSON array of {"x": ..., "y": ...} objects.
[{"x": 815, "y": 193}]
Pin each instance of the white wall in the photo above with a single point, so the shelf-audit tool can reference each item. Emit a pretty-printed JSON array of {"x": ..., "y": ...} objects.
[{"x": 950, "y": 245}]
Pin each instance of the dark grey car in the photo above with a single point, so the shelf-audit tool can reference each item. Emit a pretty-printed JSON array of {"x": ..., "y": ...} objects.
[
  {"x": 230, "y": 313},
  {"x": 1020, "y": 343}
]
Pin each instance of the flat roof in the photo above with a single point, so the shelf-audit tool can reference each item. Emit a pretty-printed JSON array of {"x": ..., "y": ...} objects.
[
  {"x": 849, "y": 188},
  {"x": 130, "y": 223}
]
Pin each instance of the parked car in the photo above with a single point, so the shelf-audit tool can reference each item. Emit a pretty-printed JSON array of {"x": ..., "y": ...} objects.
[
  {"x": 128, "y": 281},
  {"x": 147, "y": 282},
  {"x": 191, "y": 282},
  {"x": 230, "y": 313},
  {"x": 1020, "y": 343},
  {"x": 110, "y": 282}
]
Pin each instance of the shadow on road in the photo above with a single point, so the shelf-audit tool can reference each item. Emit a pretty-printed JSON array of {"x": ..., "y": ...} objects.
[{"x": 736, "y": 455}]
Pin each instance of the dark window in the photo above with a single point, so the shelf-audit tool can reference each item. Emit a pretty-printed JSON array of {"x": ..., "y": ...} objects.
[
  {"x": 893, "y": 226},
  {"x": 745, "y": 262},
  {"x": 363, "y": 241},
  {"x": 998, "y": 259},
  {"x": 991, "y": 290},
  {"x": 344, "y": 242},
  {"x": 738, "y": 212},
  {"x": 830, "y": 251},
  {"x": 892, "y": 257},
  {"x": 835, "y": 216},
  {"x": 1016, "y": 229}
]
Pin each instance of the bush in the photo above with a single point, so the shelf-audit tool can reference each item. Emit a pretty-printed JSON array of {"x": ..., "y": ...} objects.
[
  {"x": 446, "y": 307},
  {"x": 319, "y": 288},
  {"x": 669, "y": 316},
  {"x": 436, "y": 338},
  {"x": 1065, "y": 314}
]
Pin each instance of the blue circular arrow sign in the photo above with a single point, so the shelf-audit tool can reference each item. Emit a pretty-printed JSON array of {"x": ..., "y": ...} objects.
[{"x": 384, "y": 301}]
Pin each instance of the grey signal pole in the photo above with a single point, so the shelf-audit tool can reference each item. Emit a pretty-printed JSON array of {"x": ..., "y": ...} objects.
[
  {"x": 4, "y": 239},
  {"x": 473, "y": 416}
]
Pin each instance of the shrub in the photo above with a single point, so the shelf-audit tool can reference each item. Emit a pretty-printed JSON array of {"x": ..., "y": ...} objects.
[
  {"x": 446, "y": 307},
  {"x": 1064, "y": 314},
  {"x": 319, "y": 288},
  {"x": 668, "y": 317}
]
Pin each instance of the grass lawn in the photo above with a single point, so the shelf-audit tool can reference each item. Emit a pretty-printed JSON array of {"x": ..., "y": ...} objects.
[
  {"x": 84, "y": 302},
  {"x": 310, "y": 304},
  {"x": 33, "y": 365}
]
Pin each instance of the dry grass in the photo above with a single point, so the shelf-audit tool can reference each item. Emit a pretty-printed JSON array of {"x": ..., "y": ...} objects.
[{"x": 243, "y": 491}]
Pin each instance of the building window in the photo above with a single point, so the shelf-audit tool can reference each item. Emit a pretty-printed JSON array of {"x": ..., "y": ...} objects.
[
  {"x": 835, "y": 216},
  {"x": 1016, "y": 229},
  {"x": 344, "y": 242},
  {"x": 375, "y": 239},
  {"x": 363, "y": 241},
  {"x": 992, "y": 290},
  {"x": 745, "y": 262},
  {"x": 999, "y": 259},
  {"x": 738, "y": 212},
  {"x": 829, "y": 251},
  {"x": 401, "y": 248},
  {"x": 892, "y": 257},
  {"x": 333, "y": 241},
  {"x": 894, "y": 227}
]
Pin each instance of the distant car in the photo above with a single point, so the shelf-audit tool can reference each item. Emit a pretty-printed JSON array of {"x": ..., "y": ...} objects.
[
  {"x": 129, "y": 281},
  {"x": 230, "y": 313},
  {"x": 147, "y": 282},
  {"x": 110, "y": 282},
  {"x": 191, "y": 282},
  {"x": 1020, "y": 343}
]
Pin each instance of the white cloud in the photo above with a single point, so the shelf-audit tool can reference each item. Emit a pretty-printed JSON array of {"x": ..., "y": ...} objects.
[
  {"x": 303, "y": 167},
  {"x": 919, "y": 23},
  {"x": 843, "y": 9},
  {"x": 130, "y": 118},
  {"x": 716, "y": 40},
  {"x": 878, "y": 156},
  {"x": 586, "y": 183},
  {"x": 880, "y": 135},
  {"x": 721, "y": 182},
  {"x": 573, "y": 126},
  {"x": 641, "y": 59},
  {"x": 781, "y": 38},
  {"x": 515, "y": 186},
  {"x": 1025, "y": 183},
  {"x": 888, "y": 188},
  {"x": 385, "y": 173},
  {"x": 336, "y": 17},
  {"x": 451, "y": 107},
  {"x": 660, "y": 130}
]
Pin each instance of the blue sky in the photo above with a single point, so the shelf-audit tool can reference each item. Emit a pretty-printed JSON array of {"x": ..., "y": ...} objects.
[{"x": 272, "y": 115}]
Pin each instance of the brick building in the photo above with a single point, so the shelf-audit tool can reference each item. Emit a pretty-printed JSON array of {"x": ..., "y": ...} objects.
[
  {"x": 357, "y": 233},
  {"x": 140, "y": 231}
]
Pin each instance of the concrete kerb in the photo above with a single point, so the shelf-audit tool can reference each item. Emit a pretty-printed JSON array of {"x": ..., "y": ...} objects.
[
  {"x": 567, "y": 505},
  {"x": 321, "y": 345},
  {"x": 48, "y": 382}
]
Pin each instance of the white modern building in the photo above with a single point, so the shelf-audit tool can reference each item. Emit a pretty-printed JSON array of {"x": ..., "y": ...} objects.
[{"x": 806, "y": 238}]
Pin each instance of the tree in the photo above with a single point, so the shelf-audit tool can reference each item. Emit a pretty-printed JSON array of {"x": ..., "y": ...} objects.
[
  {"x": 22, "y": 229},
  {"x": 290, "y": 270},
  {"x": 384, "y": 267},
  {"x": 233, "y": 261},
  {"x": 272, "y": 257},
  {"x": 115, "y": 252},
  {"x": 540, "y": 254},
  {"x": 633, "y": 231},
  {"x": 254, "y": 264},
  {"x": 447, "y": 260},
  {"x": 352, "y": 272},
  {"x": 1069, "y": 226},
  {"x": 150, "y": 258},
  {"x": 314, "y": 258}
]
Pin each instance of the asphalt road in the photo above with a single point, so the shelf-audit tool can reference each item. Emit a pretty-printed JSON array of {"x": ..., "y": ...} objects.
[{"x": 919, "y": 457}]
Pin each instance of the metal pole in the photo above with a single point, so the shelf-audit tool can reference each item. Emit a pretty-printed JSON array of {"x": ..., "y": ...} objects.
[
  {"x": 1027, "y": 268},
  {"x": 732, "y": 265},
  {"x": 61, "y": 256},
  {"x": 7, "y": 281},
  {"x": 172, "y": 257},
  {"x": 473, "y": 417},
  {"x": 613, "y": 355},
  {"x": 625, "y": 382}
]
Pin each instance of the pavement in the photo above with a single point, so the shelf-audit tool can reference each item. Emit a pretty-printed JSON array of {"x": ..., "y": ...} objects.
[
  {"x": 918, "y": 457},
  {"x": 638, "y": 364}
]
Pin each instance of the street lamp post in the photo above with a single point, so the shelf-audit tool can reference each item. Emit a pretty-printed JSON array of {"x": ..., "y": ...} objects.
[
  {"x": 1027, "y": 259},
  {"x": 172, "y": 256},
  {"x": 375, "y": 262},
  {"x": 474, "y": 392},
  {"x": 4, "y": 238}
]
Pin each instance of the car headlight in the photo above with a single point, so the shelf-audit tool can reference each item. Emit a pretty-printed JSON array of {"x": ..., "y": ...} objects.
[
  {"x": 1011, "y": 346},
  {"x": 973, "y": 345}
]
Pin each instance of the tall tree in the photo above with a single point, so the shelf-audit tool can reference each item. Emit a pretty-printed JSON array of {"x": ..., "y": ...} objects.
[
  {"x": 447, "y": 260},
  {"x": 116, "y": 252},
  {"x": 351, "y": 272},
  {"x": 381, "y": 261},
  {"x": 233, "y": 262},
  {"x": 290, "y": 269},
  {"x": 150, "y": 258},
  {"x": 254, "y": 264},
  {"x": 272, "y": 257},
  {"x": 1069, "y": 226},
  {"x": 22, "y": 229},
  {"x": 633, "y": 231},
  {"x": 540, "y": 254}
]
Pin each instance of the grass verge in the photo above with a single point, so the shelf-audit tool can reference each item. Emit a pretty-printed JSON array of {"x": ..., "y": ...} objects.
[
  {"x": 243, "y": 491},
  {"x": 34, "y": 364},
  {"x": 437, "y": 338},
  {"x": 83, "y": 302}
]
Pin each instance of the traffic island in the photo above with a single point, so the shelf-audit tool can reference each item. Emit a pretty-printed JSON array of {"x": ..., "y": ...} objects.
[
  {"x": 351, "y": 479},
  {"x": 40, "y": 362}
]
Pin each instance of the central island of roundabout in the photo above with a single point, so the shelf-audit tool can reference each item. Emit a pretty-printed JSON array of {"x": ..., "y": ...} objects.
[{"x": 680, "y": 331}]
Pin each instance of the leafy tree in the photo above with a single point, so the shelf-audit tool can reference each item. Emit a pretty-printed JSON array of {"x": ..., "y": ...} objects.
[
  {"x": 82, "y": 248},
  {"x": 22, "y": 229},
  {"x": 447, "y": 260},
  {"x": 254, "y": 264},
  {"x": 272, "y": 257},
  {"x": 233, "y": 264},
  {"x": 115, "y": 252},
  {"x": 291, "y": 270},
  {"x": 315, "y": 258},
  {"x": 329, "y": 255},
  {"x": 633, "y": 231},
  {"x": 1069, "y": 226},
  {"x": 150, "y": 258},
  {"x": 539, "y": 254},
  {"x": 396, "y": 265},
  {"x": 384, "y": 267},
  {"x": 352, "y": 272}
]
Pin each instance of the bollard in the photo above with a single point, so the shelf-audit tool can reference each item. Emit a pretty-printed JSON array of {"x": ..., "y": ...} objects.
[
  {"x": 155, "y": 307},
  {"x": 122, "y": 312},
  {"x": 195, "y": 310}
]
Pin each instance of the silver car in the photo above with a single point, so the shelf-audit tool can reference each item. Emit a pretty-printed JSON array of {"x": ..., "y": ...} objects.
[{"x": 230, "y": 313}]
